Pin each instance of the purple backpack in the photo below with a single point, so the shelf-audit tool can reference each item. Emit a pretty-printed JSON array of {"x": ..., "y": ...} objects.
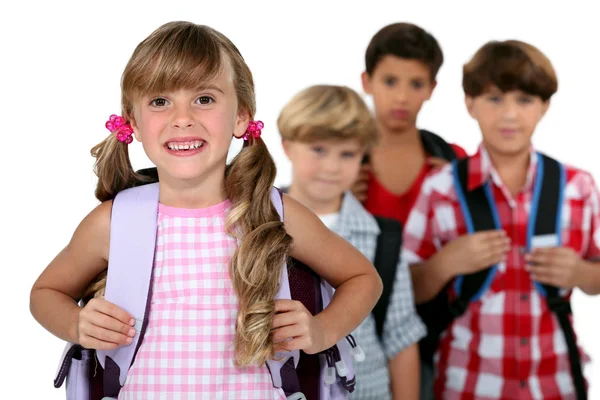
[{"x": 98, "y": 374}]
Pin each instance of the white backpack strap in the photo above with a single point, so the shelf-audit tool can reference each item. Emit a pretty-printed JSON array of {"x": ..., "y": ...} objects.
[
  {"x": 284, "y": 293},
  {"x": 131, "y": 258}
]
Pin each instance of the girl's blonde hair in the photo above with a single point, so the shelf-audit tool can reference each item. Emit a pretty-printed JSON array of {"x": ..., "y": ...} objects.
[
  {"x": 323, "y": 112},
  {"x": 182, "y": 55}
]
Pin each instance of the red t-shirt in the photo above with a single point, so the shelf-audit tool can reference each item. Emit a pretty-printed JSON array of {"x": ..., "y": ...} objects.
[{"x": 383, "y": 203}]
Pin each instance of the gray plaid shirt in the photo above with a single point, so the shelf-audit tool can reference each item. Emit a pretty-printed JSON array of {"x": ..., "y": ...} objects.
[{"x": 402, "y": 326}]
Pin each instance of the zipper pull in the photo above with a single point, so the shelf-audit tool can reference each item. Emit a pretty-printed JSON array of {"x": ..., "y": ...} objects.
[
  {"x": 330, "y": 370},
  {"x": 358, "y": 354},
  {"x": 330, "y": 376},
  {"x": 341, "y": 368}
]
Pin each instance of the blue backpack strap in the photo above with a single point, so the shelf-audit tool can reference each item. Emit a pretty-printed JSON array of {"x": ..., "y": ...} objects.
[
  {"x": 131, "y": 258},
  {"x": 479, "y": 213},
  {"x": 550, "y": 187}
]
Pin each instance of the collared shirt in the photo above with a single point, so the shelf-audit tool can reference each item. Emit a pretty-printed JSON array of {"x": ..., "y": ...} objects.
[
  {"x": 508, "y": 344},
  {"x": 402, "y": 327}
]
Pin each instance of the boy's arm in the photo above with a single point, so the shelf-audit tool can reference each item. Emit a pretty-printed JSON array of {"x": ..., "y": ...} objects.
[
  {"x": 402, "y": 331},
  {"x": 464, "y": 255},
  {"x": 429, "y": 278},
  {"x": 433, "y": 264},
  {"x": 405, "y": 374},
  {"x": 420, "y": 245},
  {"x": 562, "y": 266},
  {"x": 590, "y": 271}
]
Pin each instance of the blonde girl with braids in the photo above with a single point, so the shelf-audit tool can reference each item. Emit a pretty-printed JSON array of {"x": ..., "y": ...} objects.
[{"x": 213, "y": 321}]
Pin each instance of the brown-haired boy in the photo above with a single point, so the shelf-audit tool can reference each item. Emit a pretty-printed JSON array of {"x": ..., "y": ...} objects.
[
  {"x": 401, "y": 66},
  {"x": 506, "y": 234}
]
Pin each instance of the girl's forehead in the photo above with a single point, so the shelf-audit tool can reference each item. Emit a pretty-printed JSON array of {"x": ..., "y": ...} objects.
[
  {"x": 171, "y": 74},
  {"x": 221, "y": 82}
]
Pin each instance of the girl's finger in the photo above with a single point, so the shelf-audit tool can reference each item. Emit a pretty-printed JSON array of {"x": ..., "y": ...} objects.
[
  {"x": 300, "y": 343},
  {"x": 288, "y": 332},
  {"x": 284, "y": 305},
  {"x": 285, "y": 319},
  {"x": 106, "y": 335},
  {"x": 93, "y": 343},
  {"x": 110, "y": 323}
]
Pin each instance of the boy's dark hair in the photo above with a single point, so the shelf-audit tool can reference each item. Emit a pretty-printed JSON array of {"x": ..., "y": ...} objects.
[
  {"x": 408, "y": 41},
  {"x": 510, "y": 65}
]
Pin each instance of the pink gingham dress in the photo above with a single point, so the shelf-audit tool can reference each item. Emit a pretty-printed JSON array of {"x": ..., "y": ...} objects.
[{"x": 187, "y": 350}]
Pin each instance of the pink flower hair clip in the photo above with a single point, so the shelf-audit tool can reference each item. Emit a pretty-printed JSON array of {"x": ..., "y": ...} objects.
[
  {"x": 254, "y": 130},
  {"x": 116, "y": 124}
]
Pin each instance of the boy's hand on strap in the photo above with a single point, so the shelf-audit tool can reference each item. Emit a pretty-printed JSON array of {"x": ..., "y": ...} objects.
[
  {"x": 557, "y": 266},
  {"x": 295, "y": 328},
  {"x": 104, "y": 326},
  {"x": 471, "y": 253},
  {"x": 361, "y": 186}
]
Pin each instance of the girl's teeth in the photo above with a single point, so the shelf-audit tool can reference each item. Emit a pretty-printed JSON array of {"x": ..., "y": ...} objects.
[{"x": 187, "y": 146}]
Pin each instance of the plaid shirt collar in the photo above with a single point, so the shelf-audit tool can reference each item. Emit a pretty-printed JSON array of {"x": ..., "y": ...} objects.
[
  {"x": 482, "y": 170},
  {"x": 354, "y": 218}
]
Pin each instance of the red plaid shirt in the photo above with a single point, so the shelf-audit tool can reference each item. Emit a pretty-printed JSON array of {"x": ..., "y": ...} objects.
[{"x": 508, "y": 344}]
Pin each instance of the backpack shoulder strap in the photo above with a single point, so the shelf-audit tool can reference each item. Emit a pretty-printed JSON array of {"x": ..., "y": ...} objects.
[
  {"x": 387, "y": 255},
  {"x": 550, "y": 187},
  {"x": 283, "y": 367},
  {"x": 437, "y": 146},
  {"x": 480, "y": 214},
  {"x": 131, "y": 257}
]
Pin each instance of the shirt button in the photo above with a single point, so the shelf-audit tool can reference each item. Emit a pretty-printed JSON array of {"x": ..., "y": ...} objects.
[
  {"x": 524, "y": 297},
  {"x": 523, "y": 250},
  {"x": 523, "y": 384},
  {"x": 524, "y": 341}
]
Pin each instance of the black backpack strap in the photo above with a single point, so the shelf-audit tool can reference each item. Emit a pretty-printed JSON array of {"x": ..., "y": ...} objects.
[
  {"x": 387, "y": 256},
  {"x": 551, "y": 191},
  {"x": 437, "y": 146},
  {"x": 440, "y": 312},
  {"x": 479, "y": 212}
]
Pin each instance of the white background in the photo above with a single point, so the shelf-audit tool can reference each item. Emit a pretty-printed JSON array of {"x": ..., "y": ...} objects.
[{"x": 59, "y": 77}]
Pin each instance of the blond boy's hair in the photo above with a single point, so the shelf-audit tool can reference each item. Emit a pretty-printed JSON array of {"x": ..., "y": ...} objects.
[{"x": 324, "y": 112}]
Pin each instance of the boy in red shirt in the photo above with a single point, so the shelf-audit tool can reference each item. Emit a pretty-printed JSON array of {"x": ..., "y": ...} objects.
[{"x": 402, "y": 61}]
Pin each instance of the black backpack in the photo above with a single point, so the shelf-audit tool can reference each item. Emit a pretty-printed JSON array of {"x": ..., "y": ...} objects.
[
  {"x": 389, "y": 242},
  {"x": 480, "y": 214}
]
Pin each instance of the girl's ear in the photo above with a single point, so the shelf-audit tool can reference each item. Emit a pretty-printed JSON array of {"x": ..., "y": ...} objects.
[
  {"x": 241, "y": 123},
  {"x": 136, "y": 129}
]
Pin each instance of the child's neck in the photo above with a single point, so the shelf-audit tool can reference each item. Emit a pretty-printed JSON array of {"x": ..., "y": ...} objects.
[
  {"x": 512, "y": 169},
  {"x": 198, "y": 193},
  {"x": 316, "y": 206},
  {"x": 405, "y": 139}
]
